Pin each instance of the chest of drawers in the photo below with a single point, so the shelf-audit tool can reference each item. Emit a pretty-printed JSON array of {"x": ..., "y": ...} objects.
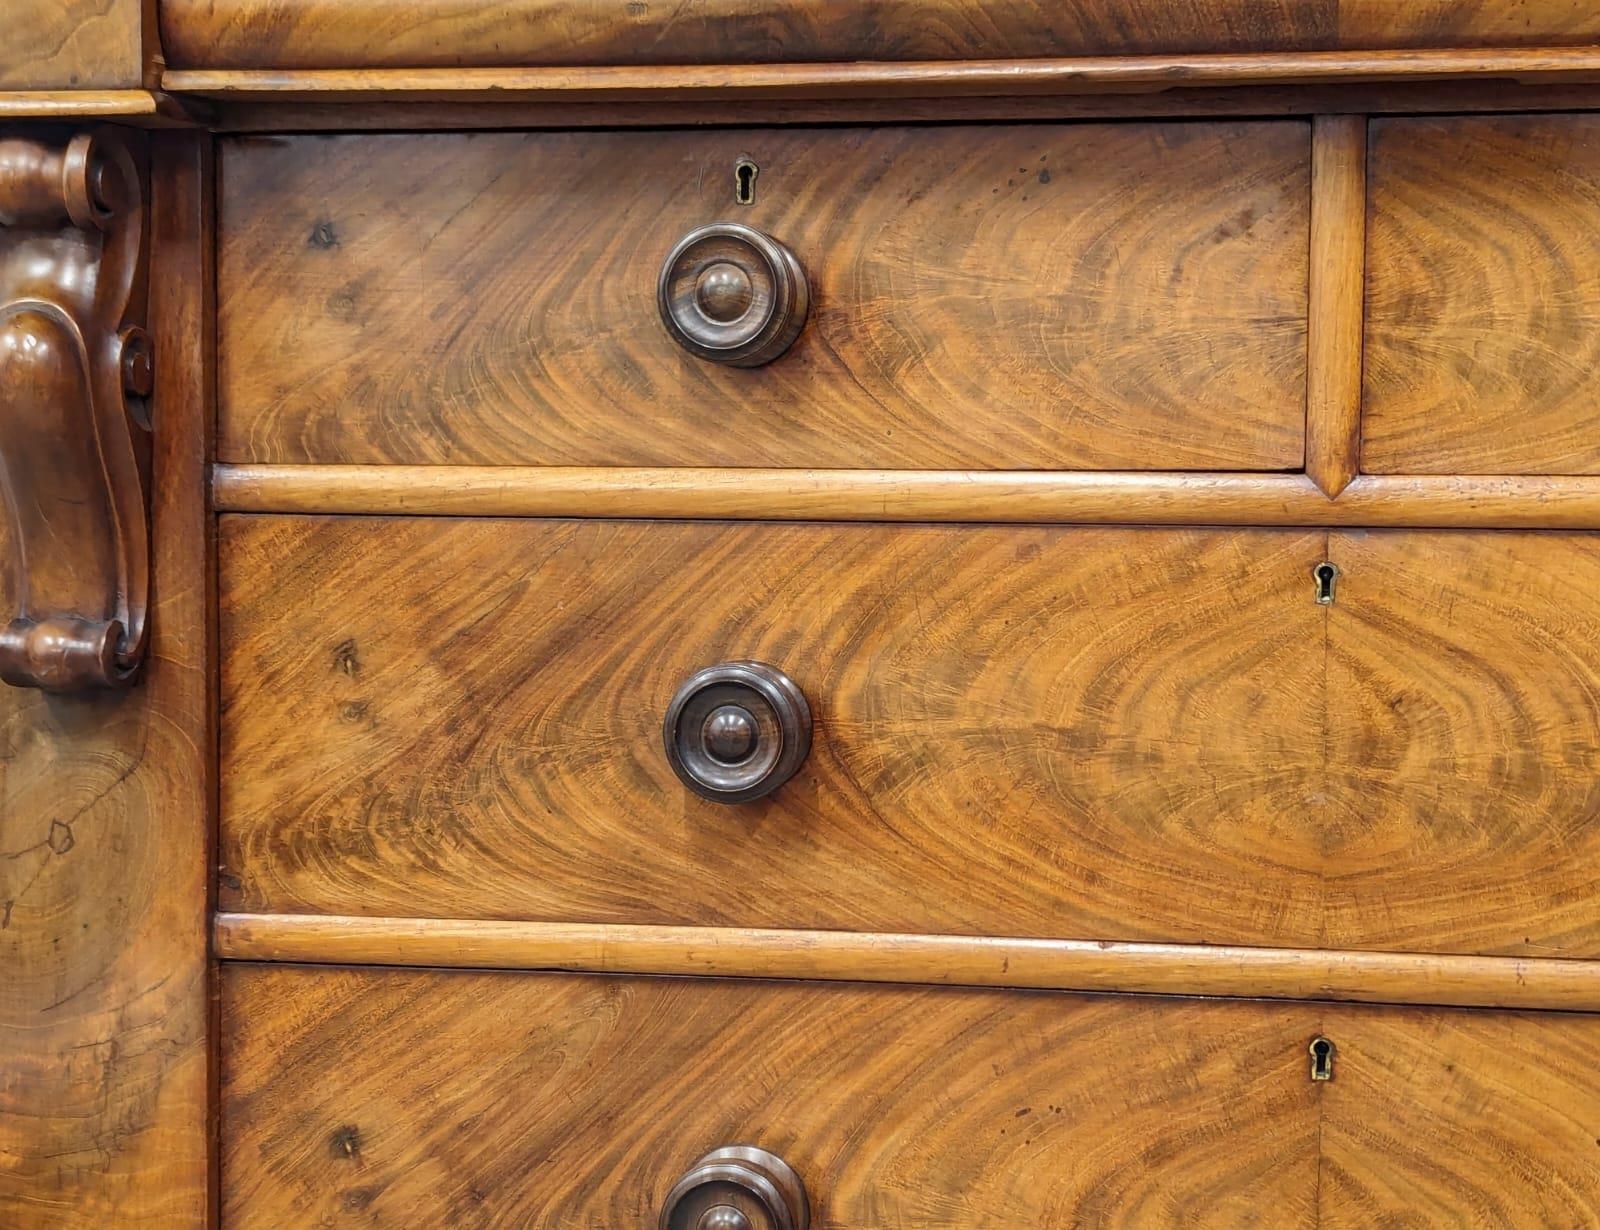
[{"x": 767, "y": 616}]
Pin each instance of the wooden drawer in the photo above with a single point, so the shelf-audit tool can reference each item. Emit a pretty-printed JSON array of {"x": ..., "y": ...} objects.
[
  {"x": 536, "y": 1100},
  {"x": 1104, "y": 296},
  {"x": 1483, "y": 296},
  {"x": 277, "y": 34},
  {"x": 1088, "y": 733}
]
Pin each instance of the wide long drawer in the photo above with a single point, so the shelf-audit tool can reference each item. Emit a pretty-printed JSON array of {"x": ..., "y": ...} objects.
[
  {"x": 1092, "y": 733},
  {"x": 1054, "y": 296},
  {"x": 535, "y": 1100}
]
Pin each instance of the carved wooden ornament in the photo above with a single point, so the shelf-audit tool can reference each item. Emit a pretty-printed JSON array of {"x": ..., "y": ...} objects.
[{"x": 76, "y": 377}]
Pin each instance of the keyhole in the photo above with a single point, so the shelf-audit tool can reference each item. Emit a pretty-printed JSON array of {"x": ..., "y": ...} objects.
[
  {"x": 1321, "y": 1059},
  {"x": 744, "y": 181},
  {"x": 1326, "y": 576}
]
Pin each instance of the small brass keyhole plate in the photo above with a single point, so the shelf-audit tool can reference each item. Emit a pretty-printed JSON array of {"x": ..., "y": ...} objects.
[
  {"x": 1326, "y": 576},
  {"x": 1322, "y": 1052}
]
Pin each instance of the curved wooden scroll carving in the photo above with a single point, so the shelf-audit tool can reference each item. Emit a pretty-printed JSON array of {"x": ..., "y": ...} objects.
[{"x": 75, "y": 382}]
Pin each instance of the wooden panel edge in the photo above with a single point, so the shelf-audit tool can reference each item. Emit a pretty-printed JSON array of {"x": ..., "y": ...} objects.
[
  {"x": 77, "y": 104},
  {"x": 1058, "y": 497},
  {"x": 1081, "y": 75},
  {"x": 1338, "y": 284},
  {"x": 1066, "y": 965}
]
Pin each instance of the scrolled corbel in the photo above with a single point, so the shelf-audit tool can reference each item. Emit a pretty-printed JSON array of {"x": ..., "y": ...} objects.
[{"x": 76, "y": 376}]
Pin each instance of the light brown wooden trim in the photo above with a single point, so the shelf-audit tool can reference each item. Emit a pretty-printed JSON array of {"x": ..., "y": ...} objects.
[
  {"x": 1083, "y": 75},
  {"x": 1334, "y": 327},
  {"x": 76, "y": 104},
  {"x": 1078, "y": 497},
  {"x": 957, "y": 960}
]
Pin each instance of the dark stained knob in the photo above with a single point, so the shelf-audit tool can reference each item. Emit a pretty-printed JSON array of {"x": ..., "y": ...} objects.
[
  {"x": 737, "y": 1188},
  {"x": 731, "y": 294},
  {"x": 737, "y": 731}
]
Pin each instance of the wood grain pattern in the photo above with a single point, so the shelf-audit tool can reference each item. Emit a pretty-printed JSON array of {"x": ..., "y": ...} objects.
[
  {"x": 105, "y": 842},
  {"x": 1096, "y": 296},
  {"x": 1460, "y": 1119},
  {"x": 1338, "y": 253},
  {"x": 503, "y": 1099},
  {"x": 939, "y": 1109},
  {"x": 948, "y": 960},
  {"x": 75, "y": 44},
  {"x": 283, "y": 34},
  {"x": 1094, "y": 733},
  {"x": 1421, "y": 502},
  {"x": 1483, "y": 290}
]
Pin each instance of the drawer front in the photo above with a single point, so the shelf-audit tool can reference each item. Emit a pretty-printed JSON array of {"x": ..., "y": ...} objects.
[
  {"x": 1128, "y": 296},
  {"x": 1092, "y": 733},
  {"x": 506, "y": 1099},
  {"x": 1483, "y": 296},
  {"x": 512, "y": 1100},
  {"x": 277, "y": 34}
]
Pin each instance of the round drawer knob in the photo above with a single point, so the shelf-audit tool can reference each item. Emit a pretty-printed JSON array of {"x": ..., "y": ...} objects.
[
  {"x": 737, "y": 1188},
  {"x": 737, "y": 731},
  {"x": 731, "y": 294}
]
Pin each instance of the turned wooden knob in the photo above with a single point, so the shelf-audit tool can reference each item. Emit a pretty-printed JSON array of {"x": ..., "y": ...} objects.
[
  {"x": 737, "y": 731},
  {"x": 731, "y": 294},
  {"x": 737, "y": 1188}
]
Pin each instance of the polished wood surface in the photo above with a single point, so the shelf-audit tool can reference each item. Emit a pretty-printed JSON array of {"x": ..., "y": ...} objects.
[
  {"x": 1483, "y": 295},
  {"x": 76, "y": 44},
  {"x": 506, "y": 1099},
  {"x": 286, "y": 34},
  {"x": 1101, "y": 296},
  {"x": 76, "y": 377},
  {"x": 1092, "y": 733},
  {"x": 1422, "y": 502},
  {"x": 105, "y": 842},
  {"x": 944, "y": 83},
  {"x": 939, "y": 1109},
  {"x": 952, "y": 960},
  {"x": 1460, "y": 1119},
  {"x": 1338, "y": 251}
]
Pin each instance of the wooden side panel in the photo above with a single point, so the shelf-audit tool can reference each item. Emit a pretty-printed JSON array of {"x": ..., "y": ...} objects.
[
  {"x": 1439, "y": 1118},
  {"x": 1087, "y": 733},
  {"x": 504, "y": 1099},
  {"x": 74, "y": 44},
  {"x": 105, "y": 843},
  {"x": 1126, "y": 296},
  {"x": 372, "y": 33},
  {"x": 1483, "y": 296}
]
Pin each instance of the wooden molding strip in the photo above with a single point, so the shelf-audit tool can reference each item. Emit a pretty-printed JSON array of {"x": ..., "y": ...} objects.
[
  {"x": 1063, "y": 965},
  {"x": 1063, "y": 497},
  {"x": 1079, "y": 75},
  {"x": 77, "y": 104},
  {"x": 1335, "y": 321}
]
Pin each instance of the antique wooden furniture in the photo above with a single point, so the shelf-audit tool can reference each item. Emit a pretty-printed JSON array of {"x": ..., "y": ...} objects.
[{"x": 762, "y": 615}]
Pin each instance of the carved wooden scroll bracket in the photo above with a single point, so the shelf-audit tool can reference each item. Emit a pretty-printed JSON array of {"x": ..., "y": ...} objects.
[{"x": 76, "y": 375}]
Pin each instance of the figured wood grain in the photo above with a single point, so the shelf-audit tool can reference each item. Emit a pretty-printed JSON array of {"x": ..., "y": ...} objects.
[
  {"x": 1091, "y": 733},
  {"x": 1338, "y": 251},
  {"x": 76, "y": 44},
  {"x": 1099, "y": 296},
  {"x": 289, "y": 34},
  {"x": 905, "y": 495},
  {"x": 1483, "y": 292},
  {"x": 952, "y": 960},
  {"x": 106, "y": 840},
  {"x": 504, "y": 1099},
  {"x": 1460, "y": 1119}
]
